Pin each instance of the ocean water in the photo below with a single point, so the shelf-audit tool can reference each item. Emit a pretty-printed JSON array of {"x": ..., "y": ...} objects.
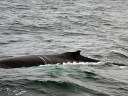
[{"x": 99, "y": 28}]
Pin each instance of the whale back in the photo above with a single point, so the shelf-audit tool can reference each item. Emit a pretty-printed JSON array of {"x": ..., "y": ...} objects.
[
  {"x": 79, "y": 58},
  {"x": 35, "y": 60}
]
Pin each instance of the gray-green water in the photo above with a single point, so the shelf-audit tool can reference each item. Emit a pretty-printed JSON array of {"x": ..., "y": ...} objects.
[{"x": 97, "y": 27}]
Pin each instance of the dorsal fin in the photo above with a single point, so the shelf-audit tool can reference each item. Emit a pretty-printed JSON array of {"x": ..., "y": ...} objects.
[{"x": 77, "y": 52}]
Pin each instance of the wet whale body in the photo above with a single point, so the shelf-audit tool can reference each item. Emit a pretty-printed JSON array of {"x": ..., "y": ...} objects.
[{"x": 36, "y": 60}]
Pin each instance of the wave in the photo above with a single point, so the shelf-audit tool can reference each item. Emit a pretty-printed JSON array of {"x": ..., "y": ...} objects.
[
  {"x": 120, "y": 53},
  {"x": 60, "y": 80},
  {"x": 45, "y": 88}
]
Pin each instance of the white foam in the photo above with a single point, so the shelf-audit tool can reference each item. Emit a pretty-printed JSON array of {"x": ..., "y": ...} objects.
[
  {"x": 83, "y": 63},
  {"x": 123, "y": 67},
  {"x": 76, "y": 63}
]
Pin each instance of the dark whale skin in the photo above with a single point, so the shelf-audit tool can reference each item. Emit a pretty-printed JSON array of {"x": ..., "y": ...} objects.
[{"x": 36, "y": 60}]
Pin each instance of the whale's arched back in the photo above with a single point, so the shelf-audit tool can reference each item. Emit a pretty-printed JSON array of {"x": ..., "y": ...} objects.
[{"x": 35, "y": 60}]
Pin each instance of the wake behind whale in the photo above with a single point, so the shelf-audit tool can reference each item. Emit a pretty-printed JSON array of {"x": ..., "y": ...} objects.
[{"x": 36, "y": 60}]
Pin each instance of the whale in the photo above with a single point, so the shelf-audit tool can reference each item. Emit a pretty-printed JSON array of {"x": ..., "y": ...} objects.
[{"x": 36, "y": 60}]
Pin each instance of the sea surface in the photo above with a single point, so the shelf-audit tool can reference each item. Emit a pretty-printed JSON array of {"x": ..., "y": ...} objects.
[{"x": 99, "y": 28}]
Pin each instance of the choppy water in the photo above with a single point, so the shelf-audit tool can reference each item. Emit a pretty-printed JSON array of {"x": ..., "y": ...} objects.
[{"x": 97, "y": 27}]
